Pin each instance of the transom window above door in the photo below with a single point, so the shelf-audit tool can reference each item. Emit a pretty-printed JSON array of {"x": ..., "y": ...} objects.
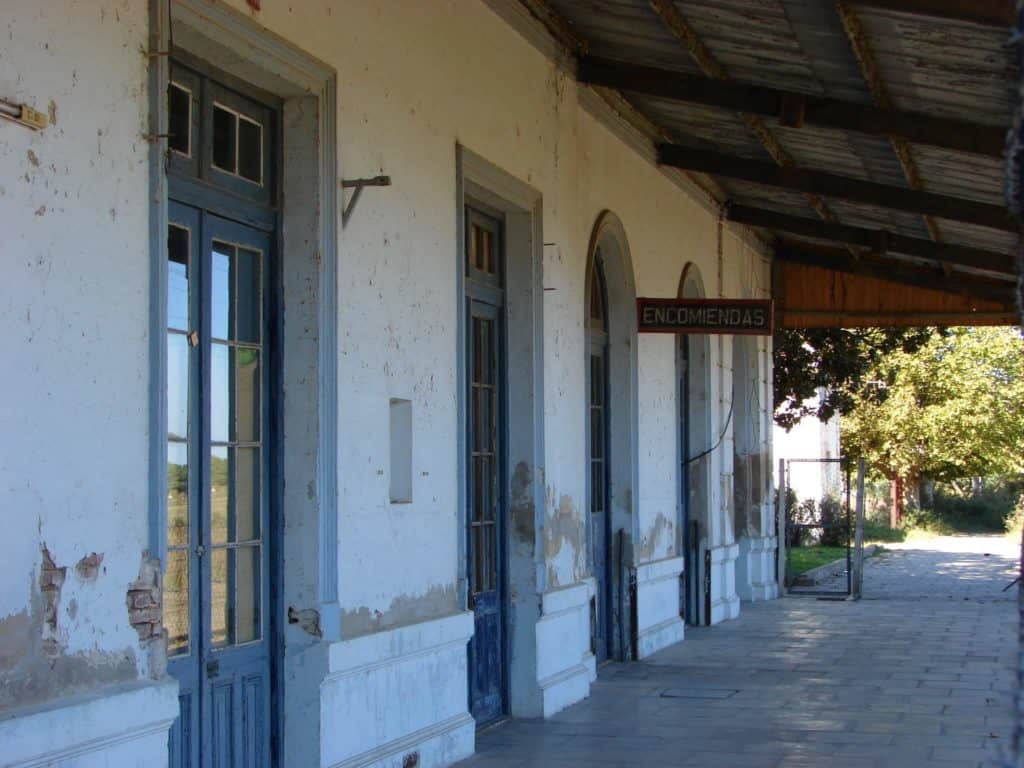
[
  {"x": 484, "y": 248},
  {"x": 219, "y": 137}
]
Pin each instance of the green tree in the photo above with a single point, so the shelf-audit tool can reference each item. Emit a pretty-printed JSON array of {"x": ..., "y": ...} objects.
[
  {"x": 836, "y": 360},
  {"x": 953, "y": 408}
]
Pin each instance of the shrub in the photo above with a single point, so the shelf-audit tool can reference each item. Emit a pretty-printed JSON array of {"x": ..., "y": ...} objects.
[
  {"x": 829, "y": 513},
  {"x": 1014, "y": 521},
  {"x": 832, "y": 515}
]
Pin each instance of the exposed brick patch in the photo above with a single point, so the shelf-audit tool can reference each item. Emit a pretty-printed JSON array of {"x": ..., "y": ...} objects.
[
  {"x": 145, "y": 608},
  {"x": 88, "y": 568},
  {"x": 51, "y": 580}
]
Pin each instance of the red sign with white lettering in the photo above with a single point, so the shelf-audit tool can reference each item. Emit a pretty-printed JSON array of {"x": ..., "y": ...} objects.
[{"x": 747, "y": 317}]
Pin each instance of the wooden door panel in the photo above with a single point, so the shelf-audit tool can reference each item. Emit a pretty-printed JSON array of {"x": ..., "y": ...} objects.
[{"x": 184, "y": 747}]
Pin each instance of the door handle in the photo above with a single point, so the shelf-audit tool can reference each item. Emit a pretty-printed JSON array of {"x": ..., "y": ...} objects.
[{"x": 212, "y": 668}]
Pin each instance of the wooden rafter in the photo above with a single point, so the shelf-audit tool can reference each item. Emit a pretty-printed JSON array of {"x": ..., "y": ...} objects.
[
  {"x": 993, "y": 13},
  {"x": 879, "y": 241},
  {"x": 813, "y": 184},
  {"x": 793, "y": 109},
  {"x": 842, "y": 187},
  {"x": 880, "y": 96},
  {"x": 573, "y": 46},
  {"x": 681, "y": 29}
]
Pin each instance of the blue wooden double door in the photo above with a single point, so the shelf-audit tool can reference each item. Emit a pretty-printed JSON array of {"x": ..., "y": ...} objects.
[
  {"x": 220, "y": 360},
  {"x": 486, "y": 508}
]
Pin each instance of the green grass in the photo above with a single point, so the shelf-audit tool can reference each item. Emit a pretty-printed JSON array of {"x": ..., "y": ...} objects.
[
  {"x": 802, "y": 559},
  {"x": 881, "y": 533}
]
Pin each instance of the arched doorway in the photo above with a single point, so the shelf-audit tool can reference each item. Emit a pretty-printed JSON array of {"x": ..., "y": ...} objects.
[
  {"x": 611, "y": 440},
  {"x": 694, "y": 526},
  {"x": 599, "y": 520}
]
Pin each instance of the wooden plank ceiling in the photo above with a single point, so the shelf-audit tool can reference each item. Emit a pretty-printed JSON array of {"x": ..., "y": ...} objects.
[{"x": 864, "y": 137}]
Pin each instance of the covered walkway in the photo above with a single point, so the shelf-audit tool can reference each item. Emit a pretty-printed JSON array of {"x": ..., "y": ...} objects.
[{"x": 916, "y": 674}]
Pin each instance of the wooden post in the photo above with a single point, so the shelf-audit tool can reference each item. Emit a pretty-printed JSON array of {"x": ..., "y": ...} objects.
[
  {"x": 858, "y": 536},
  {"x": 780, "y": 522}
]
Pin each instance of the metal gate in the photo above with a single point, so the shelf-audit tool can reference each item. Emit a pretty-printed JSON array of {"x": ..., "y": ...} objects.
[{"x": 819, "y": 527}]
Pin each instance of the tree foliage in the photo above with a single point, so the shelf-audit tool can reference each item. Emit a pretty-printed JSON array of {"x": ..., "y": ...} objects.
[
  {"x": 951, "y": 409},
  {"x": 836, "y": 360}
]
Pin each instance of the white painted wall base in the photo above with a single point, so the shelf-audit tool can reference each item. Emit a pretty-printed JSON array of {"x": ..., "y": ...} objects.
[
  {"x": 392, "y": 693},
  {"x": 725, "y": 603},
  {"x": 657, "y": 596},
  {"x": 755, "y": 569},
  {"x": 565, "y": 665},
  {"x": 123, "y": 726}
]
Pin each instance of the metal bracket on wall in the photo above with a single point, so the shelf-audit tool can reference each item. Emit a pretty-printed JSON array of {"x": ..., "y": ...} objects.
[
  {"x": 358, "y": 185},
  {"x": 23, "y": 115}
]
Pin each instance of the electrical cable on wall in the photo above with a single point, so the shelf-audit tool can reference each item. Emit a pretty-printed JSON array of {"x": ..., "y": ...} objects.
[{"x": 721, "y": 437}]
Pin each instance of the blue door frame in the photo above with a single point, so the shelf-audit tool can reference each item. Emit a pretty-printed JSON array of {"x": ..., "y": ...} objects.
[
  {"x": 486, "y": 503},
  {"x": 227, "y": 670}
]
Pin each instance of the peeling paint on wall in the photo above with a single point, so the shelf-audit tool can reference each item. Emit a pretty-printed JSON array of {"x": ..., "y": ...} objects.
[
  {"x": 565, "y": 530},
  {"x": 438, "y": 601},
  {"x": 521, "y": 507},
  {"x": 88, "y": 568},
  {"x": 51, "y": 581},
  {"x": 658, "y": 539},
  {"x": 748, "y": 492},
  {"x": 34, "y": 666},
  {"x": 308, "y": 620}
]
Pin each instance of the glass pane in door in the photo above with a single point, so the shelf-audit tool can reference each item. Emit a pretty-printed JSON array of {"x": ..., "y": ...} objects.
[{"x": 236, "y": 450}]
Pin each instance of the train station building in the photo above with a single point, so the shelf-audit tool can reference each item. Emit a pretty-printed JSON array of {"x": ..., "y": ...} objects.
[{"x": 333, "y": 428}]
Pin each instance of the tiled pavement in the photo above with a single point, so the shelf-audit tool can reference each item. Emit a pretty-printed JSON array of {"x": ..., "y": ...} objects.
[{"x": 916, "y": 674}]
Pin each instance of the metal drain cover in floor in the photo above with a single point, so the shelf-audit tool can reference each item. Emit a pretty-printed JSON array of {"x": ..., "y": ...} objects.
[{"x": 698, "y": 693}]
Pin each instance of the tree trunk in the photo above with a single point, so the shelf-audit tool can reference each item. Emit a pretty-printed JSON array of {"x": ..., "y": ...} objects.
[
  {"x": 977, "y": 486},
  {"x": 911, "y": 494},
  {"x": 895, "y": 501},
  {"x": 927, "y": 493}
]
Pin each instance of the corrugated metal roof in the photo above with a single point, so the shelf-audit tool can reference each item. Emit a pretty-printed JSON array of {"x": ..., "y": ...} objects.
[{"x": 939, "y": 67}]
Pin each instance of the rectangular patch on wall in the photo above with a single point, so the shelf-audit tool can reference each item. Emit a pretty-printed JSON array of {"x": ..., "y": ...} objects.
[{"x": 752, "y": 317}]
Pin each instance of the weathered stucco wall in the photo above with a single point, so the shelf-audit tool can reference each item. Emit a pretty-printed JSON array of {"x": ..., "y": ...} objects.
[
  {"x": 454, "y": 72},
  {"x": 74, "y": 299}
]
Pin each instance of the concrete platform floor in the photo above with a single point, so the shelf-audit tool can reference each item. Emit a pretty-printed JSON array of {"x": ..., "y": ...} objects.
[{"x": 916, "y": 674}]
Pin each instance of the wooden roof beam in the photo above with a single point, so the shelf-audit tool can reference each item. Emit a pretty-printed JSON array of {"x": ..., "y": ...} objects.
[
  {"x": 677, "y": 25},
  {"x": 879, "y": 241},
  {"x": 992, "y": 13},
  {"x": 794, "y": 109},
  {"x": 896, "y": 271},
  {"x": 880, "y": 96},
  {"x": 842, "y": 187}
]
